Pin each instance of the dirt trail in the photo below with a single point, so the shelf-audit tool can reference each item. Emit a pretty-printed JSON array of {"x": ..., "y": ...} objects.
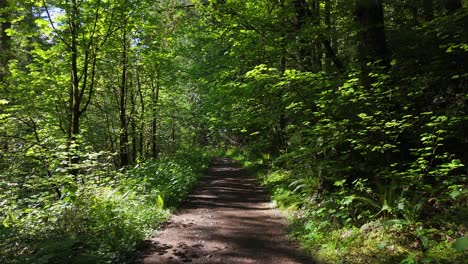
[{"x": 228, "y": 220}]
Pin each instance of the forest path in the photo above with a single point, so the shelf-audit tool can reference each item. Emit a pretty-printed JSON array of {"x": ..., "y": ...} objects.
[{"x": 228, "y": 219}]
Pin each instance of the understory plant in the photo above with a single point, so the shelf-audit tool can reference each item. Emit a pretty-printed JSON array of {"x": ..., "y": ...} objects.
[
  {"x": 372, "y": 172},
  {"x": 102, "y": 221}
]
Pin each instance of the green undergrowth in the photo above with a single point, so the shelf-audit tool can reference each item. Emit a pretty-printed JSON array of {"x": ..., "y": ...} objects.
[
  {"x": 251, "y": 162},
  {"x": 100, "y": 221},
  {"x": 336, "y": 227},
  {"x": 322, "y": 225}
]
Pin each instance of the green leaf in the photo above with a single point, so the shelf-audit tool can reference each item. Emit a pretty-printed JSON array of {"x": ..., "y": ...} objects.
[
  {"x": 9, "y": 219},
  {"x": 348, "y": 199},
  {"x": 401, "y": 205},
  {"x": 461, "y": 244},
  {"x": 6, "y": 222},
  {"x": 339, "y": 183},
  {"x": 454, "y": 194},
  {"x": 160, "y": 202},
  {"x": 382, "y": 245},
  {"x": 386, "y": 207}
]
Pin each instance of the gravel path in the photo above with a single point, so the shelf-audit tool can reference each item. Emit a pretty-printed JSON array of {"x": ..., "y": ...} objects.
[{"x": 228, "y": 219}]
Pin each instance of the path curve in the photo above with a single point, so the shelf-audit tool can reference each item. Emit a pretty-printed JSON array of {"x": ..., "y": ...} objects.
[{"x": 228, "y": 219}]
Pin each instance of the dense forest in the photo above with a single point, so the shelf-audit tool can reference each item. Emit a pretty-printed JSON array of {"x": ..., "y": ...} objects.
[{"x": 353, "y": 113}]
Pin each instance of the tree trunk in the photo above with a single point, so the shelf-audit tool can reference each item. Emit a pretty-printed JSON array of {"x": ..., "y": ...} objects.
[
  {"x": 133, "y": 126},
  {"x": 310, "y": 51},
  {"x": 82, "y": 72},
  {"x": 318, "y": 53},
  {"x": 328, "y": 37},
  {"x": 173, "y": 137},
  {"x": 155, "y": 98},
  {"x": 5, "y": 56},
  {"x": 75, "y": 99},
  {"x": 305, "y": 50},
  {"x": 428, "y": 10},
  {"x": 452, "y": 5},
  {"x": 372, "y": 46},
  {"x": 5, "y": 40},
  {"x": 75, "y": 94},
  {"x": 123, "y": 147},
  {"x": 142, "y": 117},
  {"x": 329, "y": 40}
]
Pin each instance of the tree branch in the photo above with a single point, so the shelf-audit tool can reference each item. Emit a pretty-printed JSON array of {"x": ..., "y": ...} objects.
[{"x": 53, "y": 26}]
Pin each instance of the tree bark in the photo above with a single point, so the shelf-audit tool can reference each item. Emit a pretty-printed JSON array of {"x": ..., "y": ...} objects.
[
  {"x": 328, "y": 37},
  {"x": 83, "y": 49},
  {"x": 75, "y": 99},
  {"x": 173, "y": 135},
  {"x": 155, "y": 97},
  {"x": 5, "y": 39},
  {"x": 142, "y": 116},
  {"x": 428, "y": 10},
  {"x": 372, "y": 47},
  {"x": 305, "y": 50},
  {"x": 318, "y": 52},
  {"x": 133, "y": 126},
  {"x": 123, "y": 146},
  {"x": 453, "y": 5},
  {"x": 310, "y": 51},
  {"x": 5, "y": 56}
]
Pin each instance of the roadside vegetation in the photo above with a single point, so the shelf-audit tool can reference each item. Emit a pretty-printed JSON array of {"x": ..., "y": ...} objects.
[{"x": 102, "y": 221}]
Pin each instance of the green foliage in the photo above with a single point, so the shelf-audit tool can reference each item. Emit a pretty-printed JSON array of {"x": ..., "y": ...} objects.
[
  {"x": 345, "y": 155},
  {"x": 371, "y": 161},
  {"x": 356, "y": 155},
  {"x": 461, "y": 244},
  {"x": 98, "y": 222},
  {"x": 168, "y": 180},
  {"x": 101, "y": 225}
]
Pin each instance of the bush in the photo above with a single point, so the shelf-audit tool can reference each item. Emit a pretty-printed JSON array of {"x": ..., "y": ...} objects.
[{"x": 102, "y": 221}]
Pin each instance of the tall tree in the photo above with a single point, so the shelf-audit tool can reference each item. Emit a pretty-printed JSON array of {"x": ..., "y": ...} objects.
[
  {"x": 155, "y": 88},
  {"x": 5, "y": 39},
  {"x": 372, "y": 47},
  {"x": 305, "y": 50},
  {"x": 123, "y": 147},
  {"x": 428, "y": 9},
  {"x": 83, "y": 31},
  {"x": 453, "y": 5},
  {"x": 329, "y": 39}
]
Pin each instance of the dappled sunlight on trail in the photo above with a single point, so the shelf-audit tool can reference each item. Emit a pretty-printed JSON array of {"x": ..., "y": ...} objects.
[{"x": 228, "y": 219}]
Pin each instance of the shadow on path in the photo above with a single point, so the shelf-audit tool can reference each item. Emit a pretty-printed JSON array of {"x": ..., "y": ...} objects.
[{"x": 228, "y": 219}]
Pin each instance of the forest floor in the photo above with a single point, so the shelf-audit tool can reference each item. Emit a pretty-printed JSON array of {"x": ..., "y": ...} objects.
[{"x": 228, "y": 219}]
